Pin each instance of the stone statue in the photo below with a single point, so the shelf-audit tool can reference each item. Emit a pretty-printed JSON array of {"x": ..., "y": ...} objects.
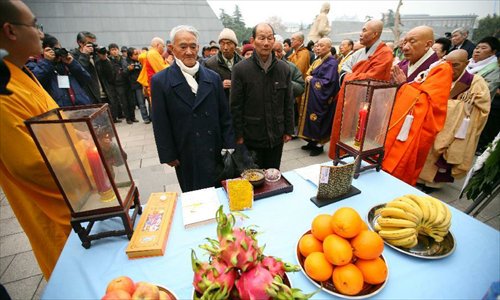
[{"x": 321, "y": 26}]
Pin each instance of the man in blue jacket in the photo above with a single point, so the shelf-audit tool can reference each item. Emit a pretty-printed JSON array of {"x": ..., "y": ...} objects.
[
  {"x": 191, "y": 118},
  {"x": 61, "y": 75}
]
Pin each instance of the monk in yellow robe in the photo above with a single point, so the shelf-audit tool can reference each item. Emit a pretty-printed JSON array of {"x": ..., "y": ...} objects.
[
  {"x": 27, "y": 183},
  {"x": 452, "y": 154},
  {"x": 372, "y": 62},
  {"x": 152, "y": 62},
  {"x": 421, "y": 103}
]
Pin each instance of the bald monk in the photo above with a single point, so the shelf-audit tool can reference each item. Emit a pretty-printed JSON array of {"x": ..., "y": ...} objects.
[
  {"x": 27, "y": 183},
  {"x": 453, "y": 151},
  {"x": 152, "y": 61},
  {"x": 374, "y": 61},
  {"x": 420, "y": 102}
]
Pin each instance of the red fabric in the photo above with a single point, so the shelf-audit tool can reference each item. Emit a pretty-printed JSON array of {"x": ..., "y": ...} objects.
[
  {"x": 428, "y": 102},
  {"x": 378, "y": 67}
]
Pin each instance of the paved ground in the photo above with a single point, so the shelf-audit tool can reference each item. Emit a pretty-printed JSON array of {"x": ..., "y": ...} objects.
[{"x": 19, "y": 272}]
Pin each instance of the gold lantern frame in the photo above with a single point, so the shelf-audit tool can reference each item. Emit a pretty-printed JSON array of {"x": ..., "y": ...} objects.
[
  {"x": 371, "y": 153},
  {"x": 118, "y": 199}
]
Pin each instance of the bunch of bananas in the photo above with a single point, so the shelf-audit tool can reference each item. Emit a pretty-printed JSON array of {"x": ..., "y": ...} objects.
[{"x": 404, "y": 218}]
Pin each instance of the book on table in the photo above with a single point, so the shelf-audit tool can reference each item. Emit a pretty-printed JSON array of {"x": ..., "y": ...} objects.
[{"x": 199, "y": 207}]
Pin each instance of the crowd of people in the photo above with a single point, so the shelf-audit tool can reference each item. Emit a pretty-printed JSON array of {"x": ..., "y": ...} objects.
[{"x": 260, "y": 95}]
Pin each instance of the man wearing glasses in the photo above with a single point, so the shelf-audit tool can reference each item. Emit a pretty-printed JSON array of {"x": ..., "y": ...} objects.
[{"x": 25, "y": 179}]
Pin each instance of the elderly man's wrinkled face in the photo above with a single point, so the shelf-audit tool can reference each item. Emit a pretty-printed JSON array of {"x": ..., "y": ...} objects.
[
  {"x": 482, "y": 52},
  {"x": 344, "y": 47},
  {"x": 227, "y": 48},
  {"x": 414, "y": 46},
  {"x": 278, "y": 50},
  {"x": 185, "y": 48},
  {"x": 296, "y": 41},
  {"x": 368, "y": 36},
  {"x": 322, "y": 48},
  {"x": 457, "y": 38},
  {"x": 458, "y": 67},
  {"x": 264, "y": 41}
]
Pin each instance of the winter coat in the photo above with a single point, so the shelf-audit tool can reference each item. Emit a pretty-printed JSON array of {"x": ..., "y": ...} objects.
[
  {"x": 46, "y": 72},
  {"x": 217, "y": 64},
  {"x": 92, "y": 88},
  {"x": 262, "y": 102},
  {"x": 191, "y": 128}
]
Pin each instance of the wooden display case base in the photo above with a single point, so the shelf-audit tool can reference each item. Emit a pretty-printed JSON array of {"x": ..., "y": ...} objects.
[
  {"x": 373, "y": 157},
  {"x": 84, "y": 231}
]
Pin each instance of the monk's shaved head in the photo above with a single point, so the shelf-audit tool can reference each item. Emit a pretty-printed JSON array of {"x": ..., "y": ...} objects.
[
  {"x": 417, "y": 42},
  {"x": 376, "y": 25},
  {"x": 458, "y": 60},
  {"x": 457, "y": 55},
  {"x": 370, "y": 33}
]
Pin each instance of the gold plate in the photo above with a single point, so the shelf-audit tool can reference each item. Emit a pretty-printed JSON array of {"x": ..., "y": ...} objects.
[
  {"x": 169, "y": 292},
  {"x": 426, "y": 248},
  {"x": 368, "y": 290}
]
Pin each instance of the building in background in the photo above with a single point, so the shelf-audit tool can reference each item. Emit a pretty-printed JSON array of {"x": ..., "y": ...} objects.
[{"x": 126, "y": 22}]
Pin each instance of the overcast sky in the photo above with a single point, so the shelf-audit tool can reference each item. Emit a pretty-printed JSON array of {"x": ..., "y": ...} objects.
[{"x": 305, "y": 11}]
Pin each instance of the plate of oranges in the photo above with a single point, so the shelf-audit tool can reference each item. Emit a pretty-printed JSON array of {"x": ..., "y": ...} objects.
[{"x": 340, "y": 255}]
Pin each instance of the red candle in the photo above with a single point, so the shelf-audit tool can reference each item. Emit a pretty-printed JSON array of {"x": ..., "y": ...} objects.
[
  {"x": 100, "y": 177},
  {"x": 363, "y": 114}
]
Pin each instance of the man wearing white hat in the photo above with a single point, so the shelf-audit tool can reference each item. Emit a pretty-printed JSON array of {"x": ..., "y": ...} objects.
[{"x": 223, "y": 62}]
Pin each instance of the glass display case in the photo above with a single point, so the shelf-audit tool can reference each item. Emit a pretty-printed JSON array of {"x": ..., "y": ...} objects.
[
  {"x": 365, "y": 119},
  {"x": 82, "y": 151}
]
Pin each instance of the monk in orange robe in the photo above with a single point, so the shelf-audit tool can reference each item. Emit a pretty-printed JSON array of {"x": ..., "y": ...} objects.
[
  {"x": 152, "y": 62},
  {"x": 423, "y": 98},
  {"x": 25, "y": 179},
  {"x": 372, "y": 62}
]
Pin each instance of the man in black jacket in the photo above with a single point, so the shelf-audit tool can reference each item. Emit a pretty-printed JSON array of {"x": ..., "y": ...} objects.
[
  {"x": 459, "y": 41},
  {"x": 122, "y": 84},
  {"x": 226, "y": 58},
  {"x": 262, "y": 100}
]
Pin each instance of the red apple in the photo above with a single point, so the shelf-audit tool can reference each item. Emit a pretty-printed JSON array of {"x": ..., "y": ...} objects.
[
  {"x": 145, "y": 290},
  {"x": 117, "y": 295},
  {"x": 121, "y": 283}
]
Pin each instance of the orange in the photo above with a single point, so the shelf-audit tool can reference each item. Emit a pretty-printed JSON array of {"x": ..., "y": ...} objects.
[
  {"x": 346, "y": 222},
  {"x": 308, "y": 244},
  {"x": 337, "y": 250},
  {"x": 374, "y": 270},
  {"x": 317, "y": 267},
  {"x": 348, "y": 279},
  {"x": 320, "y": 227},
  {"x": 367, "y": 245},
  {"x": 364, "y": 226}
]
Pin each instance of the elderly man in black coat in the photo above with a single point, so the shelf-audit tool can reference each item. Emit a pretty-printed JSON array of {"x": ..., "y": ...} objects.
[{"x": 191, "y": 117}]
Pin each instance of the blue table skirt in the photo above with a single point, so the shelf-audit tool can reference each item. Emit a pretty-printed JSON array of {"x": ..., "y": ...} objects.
[{"x": 282, "y": 219}]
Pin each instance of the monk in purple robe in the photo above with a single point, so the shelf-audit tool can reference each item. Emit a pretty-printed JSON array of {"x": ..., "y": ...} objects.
[{"x": 318, "y": 105}]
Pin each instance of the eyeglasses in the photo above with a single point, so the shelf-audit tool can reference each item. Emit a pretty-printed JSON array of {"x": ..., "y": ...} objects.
[{"x": 36, "y": 25}]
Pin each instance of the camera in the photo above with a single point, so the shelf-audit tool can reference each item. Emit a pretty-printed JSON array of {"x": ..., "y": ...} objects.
[
  {"x": 137, "y": 66},
  {"x": 61, "y": 52},
  {"x": 97, "y": 48},
  {"x": 100, "y": 50}
]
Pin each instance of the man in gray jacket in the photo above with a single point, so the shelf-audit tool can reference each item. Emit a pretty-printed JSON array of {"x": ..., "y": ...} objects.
[{"x": 262, "y": 100}]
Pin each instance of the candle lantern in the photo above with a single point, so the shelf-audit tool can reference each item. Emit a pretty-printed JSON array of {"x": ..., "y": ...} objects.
[
  {"x": 82, "y": 151},
  {"x": 365, "y": 119}
]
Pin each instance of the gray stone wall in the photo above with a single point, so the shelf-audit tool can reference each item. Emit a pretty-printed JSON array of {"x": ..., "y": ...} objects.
[{"x": 125, "y": 22}]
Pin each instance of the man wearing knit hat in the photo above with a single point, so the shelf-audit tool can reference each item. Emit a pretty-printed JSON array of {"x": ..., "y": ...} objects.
[{"x": 223, "y": 62}]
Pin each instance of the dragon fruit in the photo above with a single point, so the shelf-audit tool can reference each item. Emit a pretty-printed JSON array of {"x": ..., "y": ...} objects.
[
  {"x": 277, "y": 267},
  {"x": 259, "y": 283},
  {"x": 235, "y": 246},
  {"x": 215, "y": 278}
]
